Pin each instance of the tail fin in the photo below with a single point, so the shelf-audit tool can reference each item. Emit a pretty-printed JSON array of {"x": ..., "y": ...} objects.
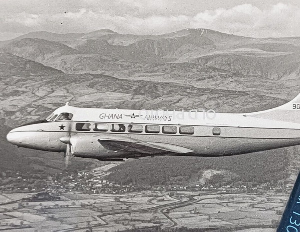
[{"x": 289, "y": 112}]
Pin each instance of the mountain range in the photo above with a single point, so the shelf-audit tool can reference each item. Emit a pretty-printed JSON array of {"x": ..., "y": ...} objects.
[
  {"x": 105, "y": 51},
  {"x": 187, "y": 69}
]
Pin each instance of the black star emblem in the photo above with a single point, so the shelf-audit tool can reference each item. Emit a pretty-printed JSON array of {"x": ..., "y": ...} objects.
[{"x": 62, "y": 127}]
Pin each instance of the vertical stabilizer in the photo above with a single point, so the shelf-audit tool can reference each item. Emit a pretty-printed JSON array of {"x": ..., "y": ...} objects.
[{"x": 289, "y": 112}]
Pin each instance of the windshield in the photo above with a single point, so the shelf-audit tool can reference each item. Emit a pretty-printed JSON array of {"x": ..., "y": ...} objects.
[{"x": 51, "y": 117}]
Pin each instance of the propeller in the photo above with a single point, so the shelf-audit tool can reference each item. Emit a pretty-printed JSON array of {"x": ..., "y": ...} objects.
[
  {"x": 67, "y": 140},
  {"x": 67, "y": 155}
]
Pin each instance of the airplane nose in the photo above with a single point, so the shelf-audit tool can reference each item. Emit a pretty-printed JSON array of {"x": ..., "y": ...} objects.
[{"x": 14, "y": 137}]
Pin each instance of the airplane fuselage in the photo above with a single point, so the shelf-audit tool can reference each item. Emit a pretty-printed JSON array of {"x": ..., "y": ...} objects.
[{"x": 115, "y": 133}]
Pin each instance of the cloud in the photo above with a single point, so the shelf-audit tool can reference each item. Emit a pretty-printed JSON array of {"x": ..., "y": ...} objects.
[
  {"x": 248, "y": 20},
  {"x": 140, "y": 8},
  {"x": 28, "y": 20},
  {"x": 150, "y": 17}
]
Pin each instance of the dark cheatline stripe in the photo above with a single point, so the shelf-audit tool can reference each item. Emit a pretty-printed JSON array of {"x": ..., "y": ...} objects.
[{"x": 290, "y": 221}]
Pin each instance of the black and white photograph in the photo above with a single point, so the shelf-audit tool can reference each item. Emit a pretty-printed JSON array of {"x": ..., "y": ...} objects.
[{"x": 149, "y": 116}]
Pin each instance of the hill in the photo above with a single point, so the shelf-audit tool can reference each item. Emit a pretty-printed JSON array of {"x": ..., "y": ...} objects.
[
  {"x": 37, "y": 49},
  {"x": 268, "y": 67},
  {"x": 199, "y": 57},
  {"x": 254, "y": 168},
  {"x": 29, "y": 97},
  {"x": 50, "y": 36},
  {"x": 11, "y": 65}
]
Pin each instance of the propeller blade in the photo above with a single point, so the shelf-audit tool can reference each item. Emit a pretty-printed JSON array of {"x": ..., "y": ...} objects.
[
  {"x": 67, "y": 155},
  {"x": 67, "y": 141}
]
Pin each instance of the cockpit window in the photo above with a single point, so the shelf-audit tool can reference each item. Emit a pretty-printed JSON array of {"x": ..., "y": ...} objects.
[
  {"x": 65, "y": 116},
  {"x": 51, "y": 117}
]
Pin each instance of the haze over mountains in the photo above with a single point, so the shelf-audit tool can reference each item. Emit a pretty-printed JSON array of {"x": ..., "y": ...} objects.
[{"x": 188, "y": 69}]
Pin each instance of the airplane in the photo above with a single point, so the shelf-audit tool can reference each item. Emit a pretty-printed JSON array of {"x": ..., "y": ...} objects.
[{"x": 118, "y": 134}]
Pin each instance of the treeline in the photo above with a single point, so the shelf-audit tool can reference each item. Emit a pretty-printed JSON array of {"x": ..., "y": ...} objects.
[{"x": 261, "y": 167}]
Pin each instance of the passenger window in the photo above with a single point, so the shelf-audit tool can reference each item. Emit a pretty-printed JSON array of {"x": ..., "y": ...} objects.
[
  {"x": 65, "y": 116},
  {"x": 187, "y": 130},
  {"x": 118, "y": 128},
  {"x": 101, "y": 127},
  {"x": 83, "y": 126},
  {"x": 169, "y": 129},
  {"x": 216, "y": 131},
  {"x": 152, "y": 129},
  {"x": 135, "y": 128}
]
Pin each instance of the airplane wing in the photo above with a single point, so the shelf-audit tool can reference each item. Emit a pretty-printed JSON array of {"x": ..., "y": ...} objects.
[{"x": 131, "y": 145}]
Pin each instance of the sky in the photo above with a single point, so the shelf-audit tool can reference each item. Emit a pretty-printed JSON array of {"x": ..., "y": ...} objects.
[{"x": 255, "y": 18}]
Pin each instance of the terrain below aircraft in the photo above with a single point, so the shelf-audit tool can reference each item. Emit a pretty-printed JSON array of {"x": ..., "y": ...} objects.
[{"x": 116, "y": 134}]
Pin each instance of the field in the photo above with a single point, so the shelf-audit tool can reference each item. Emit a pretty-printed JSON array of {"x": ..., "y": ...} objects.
[{"x": 147, "y": 209}]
